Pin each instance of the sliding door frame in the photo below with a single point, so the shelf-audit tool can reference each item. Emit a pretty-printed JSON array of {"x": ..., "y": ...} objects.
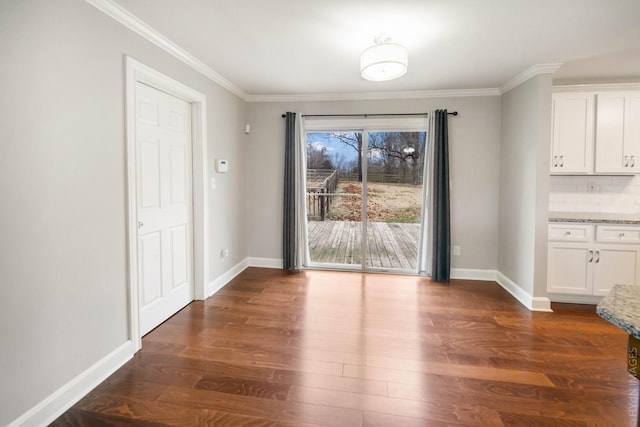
[{"x": 378, "y": 124}]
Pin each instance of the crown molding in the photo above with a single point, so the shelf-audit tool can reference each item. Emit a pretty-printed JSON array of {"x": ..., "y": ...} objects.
[
  {"x": 117, "y": 12},
  {"x": 596, "y": 87},
  {"x": 359, "y": 96},
  {"x": 528, "y": 73}
]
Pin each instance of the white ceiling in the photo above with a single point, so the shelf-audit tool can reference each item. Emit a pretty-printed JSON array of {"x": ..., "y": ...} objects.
[{"x": 296, "y": 47}]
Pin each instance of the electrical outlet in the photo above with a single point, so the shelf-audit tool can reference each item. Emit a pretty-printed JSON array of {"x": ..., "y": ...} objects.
[
  {"x": 593, "y": 188},
  {"x": 224, "y": 253},
  {"x": 456, "y": 251}
]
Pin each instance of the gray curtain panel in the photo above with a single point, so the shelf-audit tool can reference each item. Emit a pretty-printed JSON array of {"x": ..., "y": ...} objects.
[
  {"x": 289, "y": 212},
  {"x": 441, "y": 265}
]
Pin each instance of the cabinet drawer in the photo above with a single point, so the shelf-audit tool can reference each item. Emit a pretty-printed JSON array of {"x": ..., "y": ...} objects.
[
  {"x": 570, "y": 233},
  {"x": 618, "y": 234}
]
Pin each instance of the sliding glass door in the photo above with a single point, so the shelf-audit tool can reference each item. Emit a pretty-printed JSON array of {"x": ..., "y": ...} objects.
[
  {"x": 334, "y": 198},
  {"x": 365, "y": 195},
  {"x": 394, "y": 199}
]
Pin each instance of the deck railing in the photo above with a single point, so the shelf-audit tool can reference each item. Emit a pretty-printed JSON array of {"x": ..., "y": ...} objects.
[{"x": 321, "y": 185}]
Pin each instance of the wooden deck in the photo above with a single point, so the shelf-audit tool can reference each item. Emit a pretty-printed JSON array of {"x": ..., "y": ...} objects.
[{"x": 391, "y": 245}]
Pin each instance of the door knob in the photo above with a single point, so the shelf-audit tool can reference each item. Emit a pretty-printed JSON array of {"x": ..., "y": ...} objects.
[{"x": 140, "y": 225}]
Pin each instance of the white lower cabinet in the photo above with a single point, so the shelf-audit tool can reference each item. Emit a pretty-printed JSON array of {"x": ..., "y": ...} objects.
[
  {"x": 580, "y": 264},
  {"x": 612, "y": 265},
  {"x": 570, "y": 271}
]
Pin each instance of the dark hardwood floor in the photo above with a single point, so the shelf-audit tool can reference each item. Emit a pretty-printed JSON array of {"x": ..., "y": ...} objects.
[{"x": 347, "y": 349}]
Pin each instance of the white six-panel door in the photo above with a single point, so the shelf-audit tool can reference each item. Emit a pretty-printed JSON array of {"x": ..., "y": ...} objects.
[{"x": 163, "y": 176}]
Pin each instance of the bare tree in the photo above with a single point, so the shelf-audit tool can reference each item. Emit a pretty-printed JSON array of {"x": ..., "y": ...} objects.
[
  {"x": 318, "y": 158},
  {"x": 389, "y": 153},
  {"x": 400, "y": 152},
  {"x": 353, "y": 140},
  {"x": 340, "y": 162}
]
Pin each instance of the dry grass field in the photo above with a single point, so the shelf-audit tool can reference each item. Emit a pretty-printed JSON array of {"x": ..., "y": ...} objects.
[{"x": 399, "y": 203}]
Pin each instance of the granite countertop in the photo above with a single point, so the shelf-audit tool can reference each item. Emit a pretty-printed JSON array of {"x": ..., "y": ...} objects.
[
  {"x": 592, "y": 217},
  {"x": 622, "y": 308}
]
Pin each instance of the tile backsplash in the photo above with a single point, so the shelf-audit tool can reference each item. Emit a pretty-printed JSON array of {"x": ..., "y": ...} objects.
[{"x": 600, "y": 194}]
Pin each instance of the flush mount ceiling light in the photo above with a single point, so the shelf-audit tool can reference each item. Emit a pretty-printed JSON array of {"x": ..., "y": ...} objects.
[{"x": 384, "y": 60}]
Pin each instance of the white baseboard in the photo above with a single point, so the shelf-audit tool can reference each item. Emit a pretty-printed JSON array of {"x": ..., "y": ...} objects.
[
  {"x": 473, "y": 274},
  {"x": 217, "y": 284},
  {"x": 45, "y": 412},
  {"x": 529, "y": 301},
  {"x": 456, "y": 273},
  {"x": 575, "y": 299},
  {"x": 541, "y": 304},
  {"x": 265, "y": 262}
]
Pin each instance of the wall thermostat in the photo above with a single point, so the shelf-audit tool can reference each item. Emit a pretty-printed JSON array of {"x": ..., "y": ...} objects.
[{"x": 222, "y": 166}]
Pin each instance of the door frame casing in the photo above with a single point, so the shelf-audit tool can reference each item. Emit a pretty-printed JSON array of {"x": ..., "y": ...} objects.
[{"x": 136, "y": 72}]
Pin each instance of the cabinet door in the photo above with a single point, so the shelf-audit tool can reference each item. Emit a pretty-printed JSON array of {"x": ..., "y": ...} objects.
[
  {"x": 570, "y": 268},
  {"x": 615, "y": 265},
  {"x": 610, "y": 133},
  {"x": 572, "y": 133}
]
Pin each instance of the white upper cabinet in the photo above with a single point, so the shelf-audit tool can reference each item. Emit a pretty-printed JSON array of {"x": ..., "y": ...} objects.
[
  {"x": 595, "y": 133},
  {"x": 572, "y": 140},
  {"x": 618, "y": 133}
]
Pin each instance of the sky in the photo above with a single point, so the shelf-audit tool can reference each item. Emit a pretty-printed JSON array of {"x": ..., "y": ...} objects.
[{"x": 332, "y": 144}]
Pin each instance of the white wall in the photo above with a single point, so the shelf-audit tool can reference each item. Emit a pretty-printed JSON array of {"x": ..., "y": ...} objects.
[
  {"x": 524, "y": 185},
  {"x": 62, "y": 180},
  {"x": 474, "y": 159}
]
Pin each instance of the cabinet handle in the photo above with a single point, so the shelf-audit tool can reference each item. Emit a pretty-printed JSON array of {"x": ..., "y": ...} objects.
[
  {"x": 555, "y": 161},
  {"x": 597, "y": 257},
  {"x": 633, "y": 161},
  {"x": 561, "y": 161},
  {"x": 590, "y": 256},
  {"x": 626, "y": 161},
  {"x": 621, "y": 235}
]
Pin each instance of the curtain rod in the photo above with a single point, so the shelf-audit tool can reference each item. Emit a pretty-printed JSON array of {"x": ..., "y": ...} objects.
[{"x": 454, "y": 113}]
